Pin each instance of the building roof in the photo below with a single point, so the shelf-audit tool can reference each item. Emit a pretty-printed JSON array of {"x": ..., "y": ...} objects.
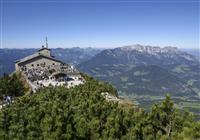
[
  {"x": 36, "y": 55},
  {"x": 27, "y": 58}
]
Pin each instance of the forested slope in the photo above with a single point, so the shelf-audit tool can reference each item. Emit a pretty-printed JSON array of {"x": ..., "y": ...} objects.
[{"x": 83, "y": 113}]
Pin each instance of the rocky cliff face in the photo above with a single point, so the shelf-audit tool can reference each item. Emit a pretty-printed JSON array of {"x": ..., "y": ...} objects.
[{"x": 138, "y": 54}]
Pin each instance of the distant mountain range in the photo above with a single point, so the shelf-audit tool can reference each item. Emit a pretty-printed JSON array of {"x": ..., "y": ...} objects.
[
  {"x": 142, "y": 69},
  {"x": 194, "y": 52}
]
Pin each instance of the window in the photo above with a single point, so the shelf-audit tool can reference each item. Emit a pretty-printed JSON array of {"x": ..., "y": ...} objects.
[
  {"x": 32, "y": 65},
  {"x": 38, "y": 65},
  {"x": 53, "y": 63}
]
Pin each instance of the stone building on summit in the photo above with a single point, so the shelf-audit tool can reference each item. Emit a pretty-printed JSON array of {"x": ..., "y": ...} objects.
[
  {"x": 42, "y": 58},
  {"x": 43, "y": 69}
]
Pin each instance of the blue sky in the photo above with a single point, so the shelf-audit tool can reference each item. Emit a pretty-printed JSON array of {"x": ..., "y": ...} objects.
[{"x": 99, "y": 23}]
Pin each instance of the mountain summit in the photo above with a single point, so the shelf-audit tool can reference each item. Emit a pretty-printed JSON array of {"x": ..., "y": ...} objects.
[{"x": 150, "y": 49}]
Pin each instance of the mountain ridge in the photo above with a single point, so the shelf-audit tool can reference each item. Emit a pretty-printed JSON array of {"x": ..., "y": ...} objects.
[{"x": 112, "y": 63}]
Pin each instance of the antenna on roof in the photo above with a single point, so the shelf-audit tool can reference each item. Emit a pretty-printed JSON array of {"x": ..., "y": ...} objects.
[{"x": 46, "y": 43}]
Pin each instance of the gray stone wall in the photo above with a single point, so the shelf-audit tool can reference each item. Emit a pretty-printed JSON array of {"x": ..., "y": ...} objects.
[{"x": 38, "y": 62}]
